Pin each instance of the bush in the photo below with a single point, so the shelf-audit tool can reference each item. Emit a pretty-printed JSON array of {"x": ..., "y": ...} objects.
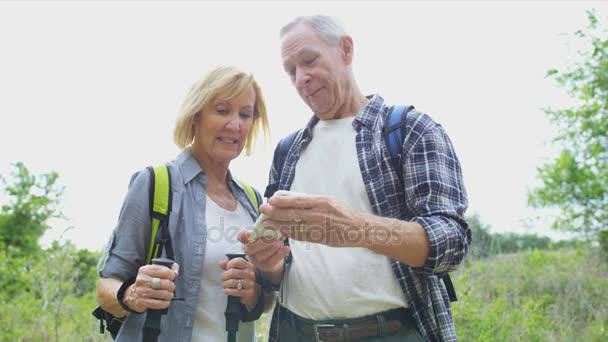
[{"x": 533, "y": 296}]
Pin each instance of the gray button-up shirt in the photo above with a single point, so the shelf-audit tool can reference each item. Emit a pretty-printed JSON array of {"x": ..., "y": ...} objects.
[{"x": 127, "y": 248}]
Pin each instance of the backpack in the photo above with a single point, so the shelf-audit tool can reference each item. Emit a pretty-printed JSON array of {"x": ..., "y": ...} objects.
[
  {"x": 161, "y": 197},
  {"x": 394, "y": 135}
]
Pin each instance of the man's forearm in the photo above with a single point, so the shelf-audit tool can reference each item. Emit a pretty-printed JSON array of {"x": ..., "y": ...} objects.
[{"x": 403, "y": 241}]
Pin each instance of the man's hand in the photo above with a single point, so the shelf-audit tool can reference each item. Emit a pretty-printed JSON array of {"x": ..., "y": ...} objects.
[
  {"x": 324, "y": 220},
  {"x": 318, "y": 219}
]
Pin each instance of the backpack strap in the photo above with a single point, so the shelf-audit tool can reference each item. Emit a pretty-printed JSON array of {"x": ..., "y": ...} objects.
[
  {"x": 394, "y": 135},
  {"x": 254, "y": 197},
  {"x": 280, "y": 156},
  {"x": 160, "y": 207},
  {"x": 449, "y": 287}
]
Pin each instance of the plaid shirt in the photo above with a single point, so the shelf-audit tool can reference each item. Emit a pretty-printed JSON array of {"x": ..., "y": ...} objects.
[{"x": 430, "y": 192}]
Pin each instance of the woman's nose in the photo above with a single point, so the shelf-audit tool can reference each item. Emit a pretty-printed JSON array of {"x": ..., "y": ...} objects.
[{"x": 234, "y": 123}]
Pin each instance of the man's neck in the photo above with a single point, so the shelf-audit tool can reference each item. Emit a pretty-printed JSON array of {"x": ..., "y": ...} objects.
[{"x": 355, "y": 102}]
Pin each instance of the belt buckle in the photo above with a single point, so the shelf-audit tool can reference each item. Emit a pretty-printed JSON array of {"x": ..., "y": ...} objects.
[{"x": 315, "y": 330}]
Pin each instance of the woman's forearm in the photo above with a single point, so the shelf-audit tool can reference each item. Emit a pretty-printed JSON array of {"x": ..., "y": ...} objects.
[{"x": 106, "y": 296}]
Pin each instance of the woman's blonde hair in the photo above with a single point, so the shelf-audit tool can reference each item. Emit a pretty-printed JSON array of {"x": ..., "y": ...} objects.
[{"x": 220, "y": 84}]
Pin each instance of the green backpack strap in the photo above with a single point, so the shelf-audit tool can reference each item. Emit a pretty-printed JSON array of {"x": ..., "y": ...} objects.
[
  {"x": 160, "y": 207},
  {"x": 254, "y": 197}
]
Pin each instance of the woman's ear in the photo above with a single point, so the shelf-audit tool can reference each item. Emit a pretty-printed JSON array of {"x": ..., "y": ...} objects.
[{"x": 195, "y": 120}]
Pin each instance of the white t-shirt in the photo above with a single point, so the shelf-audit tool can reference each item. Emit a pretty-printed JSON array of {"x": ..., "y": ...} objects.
[
  {"x": 222, "y": 229},
  {"x": 325, "y": 282}
]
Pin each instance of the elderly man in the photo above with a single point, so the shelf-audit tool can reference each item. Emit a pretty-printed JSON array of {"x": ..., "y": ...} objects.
[{"x": 367, "y": 239}]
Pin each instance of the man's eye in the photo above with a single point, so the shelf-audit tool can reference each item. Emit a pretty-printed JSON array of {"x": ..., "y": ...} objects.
[{"x": 311, "y": 60}]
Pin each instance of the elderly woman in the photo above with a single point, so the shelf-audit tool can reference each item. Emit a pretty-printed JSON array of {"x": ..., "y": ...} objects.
[{"x": 220, "y": 116}]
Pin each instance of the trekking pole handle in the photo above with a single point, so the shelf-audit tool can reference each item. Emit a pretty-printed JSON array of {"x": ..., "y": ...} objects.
[{"x": 163, "y": 261}]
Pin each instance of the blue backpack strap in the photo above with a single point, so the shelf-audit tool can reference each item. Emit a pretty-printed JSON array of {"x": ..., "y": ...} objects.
[
  {"x": 394, "y": 135},
  {"x": 278, "y": 161}
]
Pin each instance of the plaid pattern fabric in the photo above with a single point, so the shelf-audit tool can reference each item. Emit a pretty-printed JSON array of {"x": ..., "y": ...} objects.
[{"x": 430, "y": 191}]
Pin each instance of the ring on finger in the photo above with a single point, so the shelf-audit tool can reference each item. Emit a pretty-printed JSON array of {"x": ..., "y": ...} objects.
[
  {"x": 132, "y": 295},
  {"x": 239, "y": 284},
  {"x": 155, "y": 284}
]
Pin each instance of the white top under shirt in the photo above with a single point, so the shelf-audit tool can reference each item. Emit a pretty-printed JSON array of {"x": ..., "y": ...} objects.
[
  {"x": 326, "y": 282},
  {"x": 222, "y": 229}
]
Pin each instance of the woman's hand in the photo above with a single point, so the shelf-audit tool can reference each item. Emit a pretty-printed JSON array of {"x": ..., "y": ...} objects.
[
  {"x": 153, "y": 288},
  {"x": 267, "y": 254},
  {"x": 240, "y": 271}
]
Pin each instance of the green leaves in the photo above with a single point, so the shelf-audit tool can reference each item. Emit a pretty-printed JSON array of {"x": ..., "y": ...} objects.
[
  {"x": 533, "y": 296},
  {"x": 51, "y": 290},
  {"x": 32, "y": 201},
  {"x": 576, "y": 182}
]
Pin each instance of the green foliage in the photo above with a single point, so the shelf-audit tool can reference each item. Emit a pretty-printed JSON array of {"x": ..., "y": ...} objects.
[
  {"x": 576, "y": 182},
  {"x": 83, "y": 265},
  {"x": 13, "y": 275},
  {"x": 487, "y": 244},
  {"x": 262, "y": 326},
  {"x": 483, "y": 242},
  {"x": 48, "y": 296},
  {"x": 33, "y": 200},
  {"x": 533, "y": 296}
]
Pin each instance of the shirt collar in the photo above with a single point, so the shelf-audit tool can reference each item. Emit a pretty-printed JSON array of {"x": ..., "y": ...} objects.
[
  {"x": 190, "y": 168},
  {"x": 368, "y": 114},
  {"x": 366, "y": 117}
]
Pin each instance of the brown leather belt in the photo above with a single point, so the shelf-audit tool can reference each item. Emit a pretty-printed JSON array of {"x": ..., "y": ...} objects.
[{"x": 381, "y": 324}]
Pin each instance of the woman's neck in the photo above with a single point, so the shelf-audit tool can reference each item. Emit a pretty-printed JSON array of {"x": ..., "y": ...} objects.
[{"x": 217, "y": 186}]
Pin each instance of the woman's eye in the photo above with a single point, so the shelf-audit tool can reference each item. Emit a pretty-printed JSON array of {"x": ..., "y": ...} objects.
[
  {"x": 222, "y": 110},
  {"x": 246, "y": 115}
]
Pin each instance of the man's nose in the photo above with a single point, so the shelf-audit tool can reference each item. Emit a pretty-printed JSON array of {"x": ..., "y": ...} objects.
[{"x": 302, "y": 78}]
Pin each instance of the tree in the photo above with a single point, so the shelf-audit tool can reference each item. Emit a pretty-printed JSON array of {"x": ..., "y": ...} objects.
[
  {"x": 483, "y": 241},
  {"x": 576, "y": 182},
  {"x": 33, "y": 200}
]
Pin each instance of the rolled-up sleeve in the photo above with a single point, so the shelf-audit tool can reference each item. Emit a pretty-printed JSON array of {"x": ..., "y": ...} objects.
[
  {"x": 436, "y": 195},
  {"x": 126, "y": 250}
]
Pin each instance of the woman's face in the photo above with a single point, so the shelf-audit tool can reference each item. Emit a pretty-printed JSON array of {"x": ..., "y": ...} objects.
[{"x": 222, "y": 127}]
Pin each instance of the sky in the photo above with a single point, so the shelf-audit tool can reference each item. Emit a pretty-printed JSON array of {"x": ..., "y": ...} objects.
[{"x": 91, "y": 89}]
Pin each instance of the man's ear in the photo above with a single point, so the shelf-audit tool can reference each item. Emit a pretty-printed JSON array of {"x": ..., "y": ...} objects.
[{"x": 346, "y": 47}]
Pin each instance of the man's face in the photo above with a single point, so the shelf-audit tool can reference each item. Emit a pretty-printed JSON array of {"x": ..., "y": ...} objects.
[{"x": 316, "y": 69}]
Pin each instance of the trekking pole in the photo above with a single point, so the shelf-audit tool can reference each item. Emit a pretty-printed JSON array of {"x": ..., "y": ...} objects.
[
  {"x": 233, "y": 308},
  {"x": 151, "y": 328}
]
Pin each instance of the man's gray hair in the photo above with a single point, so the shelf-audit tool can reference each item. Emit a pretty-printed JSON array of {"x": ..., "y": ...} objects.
[{"x": 328, "y": 28}]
